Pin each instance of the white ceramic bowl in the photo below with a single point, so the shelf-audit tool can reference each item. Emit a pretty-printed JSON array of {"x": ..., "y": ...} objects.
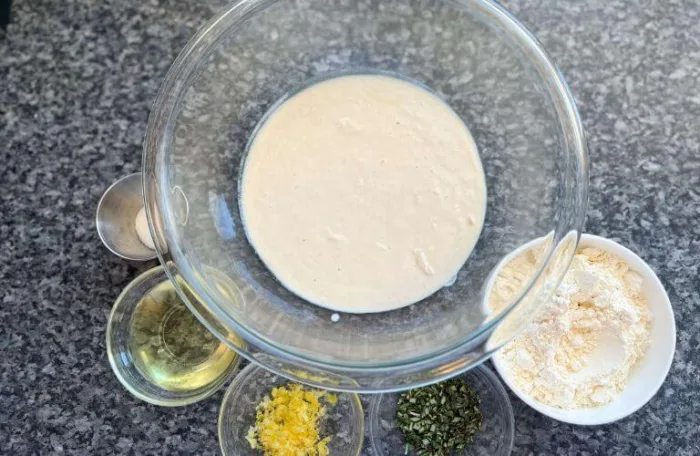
[{"x": 649, "y": 374}]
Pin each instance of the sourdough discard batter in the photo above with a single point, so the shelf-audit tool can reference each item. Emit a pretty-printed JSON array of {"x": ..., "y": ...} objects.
[{"x": 363, "y": 193}]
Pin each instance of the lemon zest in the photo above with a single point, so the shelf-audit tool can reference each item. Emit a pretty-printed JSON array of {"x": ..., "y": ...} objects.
[{"x": 287, "y": 422}]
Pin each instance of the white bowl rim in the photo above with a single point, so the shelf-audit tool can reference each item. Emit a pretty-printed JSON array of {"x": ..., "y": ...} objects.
[{"x": 586, "y": 416}]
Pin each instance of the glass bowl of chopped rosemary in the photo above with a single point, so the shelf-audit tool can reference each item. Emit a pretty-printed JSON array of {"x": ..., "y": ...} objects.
[
  {"x": 467, "y": 415},
  {"x": 264, "y": 413}
]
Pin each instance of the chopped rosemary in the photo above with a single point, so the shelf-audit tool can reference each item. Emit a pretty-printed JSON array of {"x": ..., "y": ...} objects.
[{"x": 438, "y": 419}]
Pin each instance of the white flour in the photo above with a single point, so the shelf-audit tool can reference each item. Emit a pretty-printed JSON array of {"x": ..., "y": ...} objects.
[{"x": 580, "y": 351}]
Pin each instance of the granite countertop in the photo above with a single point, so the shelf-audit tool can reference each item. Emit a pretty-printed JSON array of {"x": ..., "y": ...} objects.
[{"x": 77, "y": 79}]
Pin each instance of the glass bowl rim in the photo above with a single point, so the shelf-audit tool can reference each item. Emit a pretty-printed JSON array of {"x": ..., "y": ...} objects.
[{"x": 164, "y": 112}]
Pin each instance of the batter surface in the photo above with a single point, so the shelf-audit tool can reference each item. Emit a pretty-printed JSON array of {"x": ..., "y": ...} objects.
[{"x": 363, "y": 193}]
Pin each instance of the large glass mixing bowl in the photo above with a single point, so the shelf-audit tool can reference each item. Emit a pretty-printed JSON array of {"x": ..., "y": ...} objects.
[{"x": 476, "y": 57}]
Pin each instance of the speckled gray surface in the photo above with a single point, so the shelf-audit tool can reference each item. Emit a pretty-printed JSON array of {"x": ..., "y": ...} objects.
[{"x": 77, "y": 79}]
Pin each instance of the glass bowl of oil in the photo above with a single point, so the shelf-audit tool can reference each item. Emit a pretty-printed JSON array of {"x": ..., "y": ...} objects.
[
  {"x": 158, "y": 349},
  {"x": 342, "y": 422}
]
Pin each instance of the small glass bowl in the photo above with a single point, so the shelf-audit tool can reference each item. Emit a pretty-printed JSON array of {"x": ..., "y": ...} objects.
[
  {"x": 494, "y": 439},
  {"x": 123, "y": 360},
  {"x": 344, "y": 421}
]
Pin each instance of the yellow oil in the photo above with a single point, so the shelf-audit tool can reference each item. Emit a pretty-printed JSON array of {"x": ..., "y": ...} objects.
[{"x": 170, "y": 347}]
